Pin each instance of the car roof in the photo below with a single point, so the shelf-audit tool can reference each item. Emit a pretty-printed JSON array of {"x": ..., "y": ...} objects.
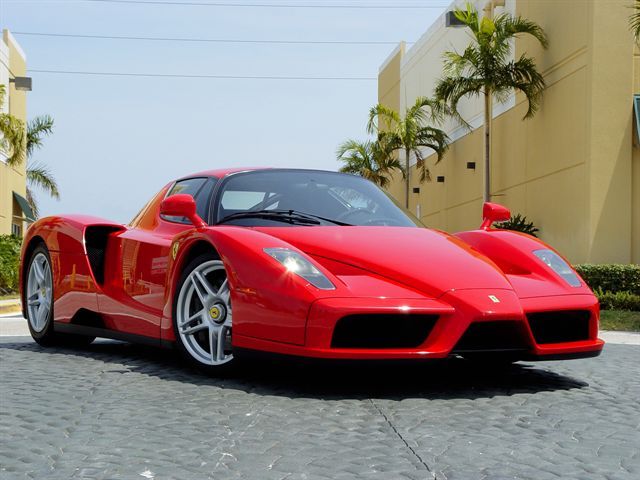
[{"x": 223, "y": 172}]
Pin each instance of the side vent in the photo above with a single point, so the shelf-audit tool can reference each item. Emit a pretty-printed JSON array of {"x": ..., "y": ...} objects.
[
  {"x": 87, "y": 318},
  {"x": 95, "y": 240}
]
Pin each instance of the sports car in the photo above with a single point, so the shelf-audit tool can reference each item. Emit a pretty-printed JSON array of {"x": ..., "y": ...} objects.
[{"x": 305, "y": 263}]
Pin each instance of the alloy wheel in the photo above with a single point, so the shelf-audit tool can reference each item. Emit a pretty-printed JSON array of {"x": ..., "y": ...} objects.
[{"x": 204, "y": 316}]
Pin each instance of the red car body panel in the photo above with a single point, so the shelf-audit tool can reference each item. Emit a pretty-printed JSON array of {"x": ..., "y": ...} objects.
[{"x": 474, "y": 277}]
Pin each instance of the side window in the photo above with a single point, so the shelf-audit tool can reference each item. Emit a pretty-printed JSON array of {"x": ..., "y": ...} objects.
[
  {"x": 190, "y": 186},
  {"x": 203, "y": 198}
]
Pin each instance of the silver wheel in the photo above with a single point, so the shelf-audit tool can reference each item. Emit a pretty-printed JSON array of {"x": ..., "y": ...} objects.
[
  {"x": 39, "y": 292},
  {"x": 203, "y": 314}
]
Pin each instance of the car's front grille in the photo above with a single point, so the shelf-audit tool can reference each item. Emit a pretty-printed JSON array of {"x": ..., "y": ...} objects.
[
  {"x": 504, "y": 335},
  {"x": 380, "y": 331},
  {"x": 559, "y": 326}
]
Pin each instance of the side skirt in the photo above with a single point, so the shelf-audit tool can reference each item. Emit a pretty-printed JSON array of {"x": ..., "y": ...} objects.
[{"x": 112, "y": 334}]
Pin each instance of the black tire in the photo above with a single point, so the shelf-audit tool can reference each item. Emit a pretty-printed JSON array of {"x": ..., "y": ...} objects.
[
  {"x": 184, "y": 349},
  {"x": 45, "y": 335}
]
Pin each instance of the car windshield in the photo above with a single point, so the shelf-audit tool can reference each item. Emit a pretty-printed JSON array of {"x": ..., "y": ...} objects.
[{"x": 286, "y": 197}]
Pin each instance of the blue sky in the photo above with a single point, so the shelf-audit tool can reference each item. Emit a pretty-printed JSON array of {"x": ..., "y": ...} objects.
[{"x": 118, "y": 140}]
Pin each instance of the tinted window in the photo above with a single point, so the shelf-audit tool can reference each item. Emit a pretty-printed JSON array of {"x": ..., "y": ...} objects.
[
  {"x": 345, "y": 198},
  {"x": 199, "y": 189}
]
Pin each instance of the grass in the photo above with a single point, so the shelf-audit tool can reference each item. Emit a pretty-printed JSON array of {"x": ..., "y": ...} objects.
[
  {"x": 620, "y": 320},
  {"x": 9, "y": 297}
]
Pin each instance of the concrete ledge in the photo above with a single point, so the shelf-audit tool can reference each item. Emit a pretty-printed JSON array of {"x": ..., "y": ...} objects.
[{"x": 10, "y": 306}]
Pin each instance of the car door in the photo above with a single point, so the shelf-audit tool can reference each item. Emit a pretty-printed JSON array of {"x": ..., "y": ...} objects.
[{"x": 135, "y": 304}]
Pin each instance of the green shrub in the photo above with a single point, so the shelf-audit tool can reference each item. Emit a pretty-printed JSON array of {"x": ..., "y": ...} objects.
[
  {"x": 611, "y": 277},
  {"x": 9, "y": 262},
  {"x": 518, "y": 223},
  {"x": 618, "y": 300}
]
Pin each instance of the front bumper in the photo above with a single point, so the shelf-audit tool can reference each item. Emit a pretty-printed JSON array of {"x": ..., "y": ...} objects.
[{"x": 457, "y": 314}]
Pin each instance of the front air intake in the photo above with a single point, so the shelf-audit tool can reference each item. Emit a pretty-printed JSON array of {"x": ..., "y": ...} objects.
[
  {"x": 498, "y": 336},
  {"x": 560, "y": 326},
  {"x": 380, "y": 331}
]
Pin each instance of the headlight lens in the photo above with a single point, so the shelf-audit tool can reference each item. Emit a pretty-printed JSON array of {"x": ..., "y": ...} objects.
[
  {"x": 298, "y": 264},
  {"x": 558, "y": 265}
]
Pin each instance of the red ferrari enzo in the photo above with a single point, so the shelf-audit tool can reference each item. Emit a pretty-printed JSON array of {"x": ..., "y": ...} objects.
[{"x": 301, "y": 262}]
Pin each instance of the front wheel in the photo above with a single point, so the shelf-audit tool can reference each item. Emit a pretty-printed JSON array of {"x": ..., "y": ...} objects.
[{"x": 203, "y": 315}]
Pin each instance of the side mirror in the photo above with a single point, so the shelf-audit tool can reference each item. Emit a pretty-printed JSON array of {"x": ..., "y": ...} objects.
[
  {"x": 181, "y": 205},
  {"x": 492, "y": 212}
]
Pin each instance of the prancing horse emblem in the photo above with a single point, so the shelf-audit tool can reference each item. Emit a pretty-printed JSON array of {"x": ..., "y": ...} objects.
[
  {"x": 494, "y": 299},
  {"x": 174, "y": 250}
]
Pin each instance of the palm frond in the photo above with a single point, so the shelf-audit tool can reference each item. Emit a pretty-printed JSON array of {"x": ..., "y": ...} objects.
[
  {"x": 370, "y": 159},
  {"x": 508, "y": 26},
  {"x": 469, "y": 16},
  {"x": 382, "y": 113},
  {"x": 40, "y": 176},
  {"x": 523, "y": 75},
  {"x": 450, "y": 90},
  {"x": 33, "y": 203},
  {"x": 37, "y": 129},
  {"x": 13, "y": 142},
  {"x": 634, "y": 20}
]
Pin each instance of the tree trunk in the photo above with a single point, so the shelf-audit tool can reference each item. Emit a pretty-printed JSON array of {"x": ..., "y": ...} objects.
[
  {"x": 488, "y": 114},
  {"x": 407, "y": 180}
]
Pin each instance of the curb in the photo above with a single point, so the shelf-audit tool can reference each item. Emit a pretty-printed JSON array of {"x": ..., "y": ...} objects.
[{"x": 9, "y": 307}]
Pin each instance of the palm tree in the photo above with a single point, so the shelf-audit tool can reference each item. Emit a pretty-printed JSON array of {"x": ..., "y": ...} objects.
[
  {"x": 635, "y": 20},
  {"x": 410, "y": 134},
  {"x": 13, "y": 136},
  {"x": 372, "y": 160},
  {"x": 38, "y": 175},
  {"x": 484, "y": 68}
]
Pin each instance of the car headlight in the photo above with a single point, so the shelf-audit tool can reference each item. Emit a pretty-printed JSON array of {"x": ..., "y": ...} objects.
[
  {"x": 298, "y": 264},
  {"x": 558, "y": 265}
]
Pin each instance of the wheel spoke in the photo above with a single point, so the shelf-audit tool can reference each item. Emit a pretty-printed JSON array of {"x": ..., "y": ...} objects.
[
  {"x": 39, "y": 316},
  {"x": 201, "y": 294},
  {"x": 46, "y": 272},
  {"x": 204, "y": 283},
  {"x": 220, "y": 344},
  {"x": 33, "y": 300},
  {"x": 196, "y": 328},
  {"x": 39, "y": 273},
  {"x": 224, "y": 288},
  {"x": 193, "y": 317},
  {"x": 213, "y": 344}
]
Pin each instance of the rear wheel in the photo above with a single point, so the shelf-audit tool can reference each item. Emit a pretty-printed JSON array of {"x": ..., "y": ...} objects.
[
  {"x": 203, "y": 315},
  {"x": 39, "y": 300}
]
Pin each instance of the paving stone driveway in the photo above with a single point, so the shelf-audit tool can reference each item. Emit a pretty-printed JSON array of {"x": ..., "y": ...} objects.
[{"x": 118, "y": 411}]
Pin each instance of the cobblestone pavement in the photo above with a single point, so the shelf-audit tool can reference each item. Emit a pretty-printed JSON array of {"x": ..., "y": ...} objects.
[{"x": 118, "y": 411}]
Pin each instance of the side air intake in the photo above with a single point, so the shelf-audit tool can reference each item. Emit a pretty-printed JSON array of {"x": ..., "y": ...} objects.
[{"x": 95, "y": 240}]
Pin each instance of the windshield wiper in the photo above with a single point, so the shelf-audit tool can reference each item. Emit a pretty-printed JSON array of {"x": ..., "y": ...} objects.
[{"x": 285, "y": 216}]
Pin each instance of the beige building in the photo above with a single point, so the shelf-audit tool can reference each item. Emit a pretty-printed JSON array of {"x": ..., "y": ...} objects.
[
  {"x": 574, "y": 169},
  {"x": 14, "y": 210}
]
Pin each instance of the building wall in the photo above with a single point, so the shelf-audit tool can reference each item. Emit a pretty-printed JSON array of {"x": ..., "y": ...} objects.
[
  {"x": 572, "y": 169},
  {"x": 12, "y": 179}
]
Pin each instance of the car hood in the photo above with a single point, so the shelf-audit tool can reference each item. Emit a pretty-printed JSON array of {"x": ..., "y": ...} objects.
[{"x": 429, "y": 261}]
